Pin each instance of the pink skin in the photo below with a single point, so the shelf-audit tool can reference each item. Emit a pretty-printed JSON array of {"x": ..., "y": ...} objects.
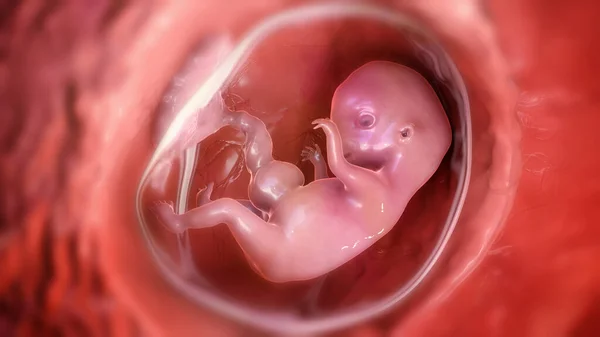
[{"x": 386, "y": 137}]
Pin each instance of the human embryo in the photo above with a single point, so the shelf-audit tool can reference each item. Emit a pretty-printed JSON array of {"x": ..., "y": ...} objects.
[{"x": 386, "y": 136}]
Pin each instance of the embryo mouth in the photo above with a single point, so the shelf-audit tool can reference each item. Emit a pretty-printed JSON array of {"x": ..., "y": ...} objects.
[
  {"x": 373, "y": 163},
  {"x": 313, "y": 305}
]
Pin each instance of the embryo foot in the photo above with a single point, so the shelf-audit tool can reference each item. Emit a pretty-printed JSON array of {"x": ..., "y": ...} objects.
[
  {"x": 203, "y": 195},
  {"x": 166, "y": 216}
]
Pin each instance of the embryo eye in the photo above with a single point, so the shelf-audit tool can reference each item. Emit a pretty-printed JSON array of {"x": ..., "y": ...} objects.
[{"x": 365, "y": 120}]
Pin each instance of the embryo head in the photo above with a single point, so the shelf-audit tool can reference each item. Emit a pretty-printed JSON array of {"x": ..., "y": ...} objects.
[{"x": 385, "y": 108}]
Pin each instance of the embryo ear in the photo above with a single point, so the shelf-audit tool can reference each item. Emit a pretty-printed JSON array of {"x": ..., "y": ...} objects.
[{"x": 406, "y": 133}]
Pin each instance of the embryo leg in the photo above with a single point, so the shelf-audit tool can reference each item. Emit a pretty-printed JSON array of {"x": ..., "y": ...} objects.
[
  {"x": 204, "y": 194},
  {"x": 260, "y": 240}
]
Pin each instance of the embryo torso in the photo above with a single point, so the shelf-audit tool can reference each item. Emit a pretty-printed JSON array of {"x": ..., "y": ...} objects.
[{"x": 320, "y": 220}]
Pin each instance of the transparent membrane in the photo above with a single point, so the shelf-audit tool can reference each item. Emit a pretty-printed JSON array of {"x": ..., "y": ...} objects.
[{"x": 285, "y": 71}]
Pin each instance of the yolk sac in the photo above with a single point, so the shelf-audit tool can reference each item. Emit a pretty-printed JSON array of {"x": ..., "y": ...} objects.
[{"x": 315, "y": 228}]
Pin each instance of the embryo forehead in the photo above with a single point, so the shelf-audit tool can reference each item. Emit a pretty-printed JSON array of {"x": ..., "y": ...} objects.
[{"x": 384, "y": 86}]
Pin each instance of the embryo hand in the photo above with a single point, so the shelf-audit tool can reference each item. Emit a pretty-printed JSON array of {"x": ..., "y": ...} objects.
[
  {"x": 315, "y": 156},
  {"x": 312, "y": 154}
]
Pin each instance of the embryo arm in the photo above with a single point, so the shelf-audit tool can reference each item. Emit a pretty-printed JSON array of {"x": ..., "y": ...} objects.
[
  {"x": 320, "y": 169},
  {"x": 355, "y": 178}
]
